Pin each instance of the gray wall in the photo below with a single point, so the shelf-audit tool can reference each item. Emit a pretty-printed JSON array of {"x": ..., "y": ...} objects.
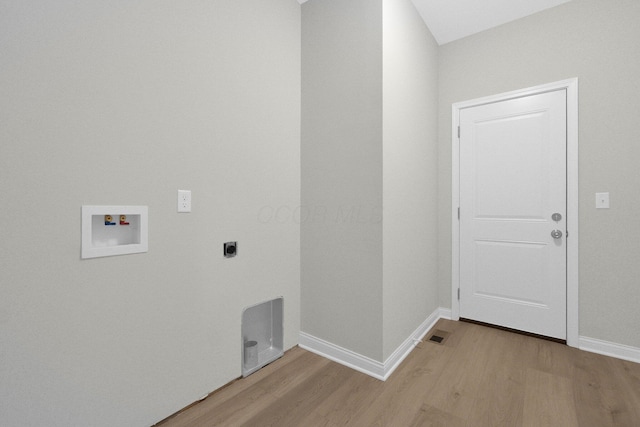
[
  {"x": 410, "y": 172},
  {"x": 124, "y": 102},
  {"x": 369, "y": 173},
  {"x": 596, "y": 41},
  {"x": 341, "y": 223}
]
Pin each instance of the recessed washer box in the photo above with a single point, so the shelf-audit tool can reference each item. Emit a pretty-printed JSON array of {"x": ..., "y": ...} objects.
[
  {"x": 262, "y": 334},
  {"x": 114, "y": 230}
]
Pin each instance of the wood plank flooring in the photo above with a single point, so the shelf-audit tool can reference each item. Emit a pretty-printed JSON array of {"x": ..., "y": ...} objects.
[{"x": 478, "y": 376}]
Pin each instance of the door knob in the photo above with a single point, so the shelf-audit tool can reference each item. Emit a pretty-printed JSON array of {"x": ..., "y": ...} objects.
[{"x": 556, "y": 234}]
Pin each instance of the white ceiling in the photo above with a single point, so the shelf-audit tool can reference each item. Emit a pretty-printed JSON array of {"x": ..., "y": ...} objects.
[{"x": 451, "y": 20}]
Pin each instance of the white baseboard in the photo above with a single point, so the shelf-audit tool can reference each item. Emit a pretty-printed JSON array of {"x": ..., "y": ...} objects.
[
  {"x": 368, "y": 366},
  {"x": 445, "y": 313},
  {"x": 341, "y": 355},
  {"x": 405, "y": 348},
  {"x": 607, "y": 348}
]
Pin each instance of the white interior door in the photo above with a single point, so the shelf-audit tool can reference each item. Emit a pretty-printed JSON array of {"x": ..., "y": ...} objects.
[{"x": 513, "y": 186}]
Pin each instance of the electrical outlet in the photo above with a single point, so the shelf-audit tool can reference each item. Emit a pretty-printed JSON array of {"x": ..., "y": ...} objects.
[
  {"x": 184, "y": 200},
  {"x": 230, "y": 249}
]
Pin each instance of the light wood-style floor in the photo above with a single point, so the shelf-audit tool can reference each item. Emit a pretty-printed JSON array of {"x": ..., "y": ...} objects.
[{"x": 478, "y": 376}]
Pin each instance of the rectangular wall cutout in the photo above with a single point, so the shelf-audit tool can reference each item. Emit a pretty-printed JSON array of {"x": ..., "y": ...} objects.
[
  {"x": 114, "y": 230},
  {"x": 262, "y": 335}
]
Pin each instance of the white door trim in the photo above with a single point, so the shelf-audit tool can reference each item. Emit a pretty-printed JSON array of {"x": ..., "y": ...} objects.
[{"x": 571, "y": 86}]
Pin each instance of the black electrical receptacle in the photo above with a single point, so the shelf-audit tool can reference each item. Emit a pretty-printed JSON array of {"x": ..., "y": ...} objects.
[{"x": 230, "y": 249}]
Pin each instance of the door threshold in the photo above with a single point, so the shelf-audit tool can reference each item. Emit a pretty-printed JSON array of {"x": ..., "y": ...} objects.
[{"x": 515, "y": 331}]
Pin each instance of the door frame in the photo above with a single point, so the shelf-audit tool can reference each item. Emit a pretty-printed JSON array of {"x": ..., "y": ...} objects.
[{"x": 571, "y": 86}]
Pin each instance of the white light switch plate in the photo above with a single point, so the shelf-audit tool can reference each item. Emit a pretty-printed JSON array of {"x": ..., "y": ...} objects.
[
  {"x": 184, "y": 201},
  {"x": 602, "y": 200}
]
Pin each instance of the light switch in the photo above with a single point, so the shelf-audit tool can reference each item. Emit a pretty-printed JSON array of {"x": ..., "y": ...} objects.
[{"x": 602, "y": 200}]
